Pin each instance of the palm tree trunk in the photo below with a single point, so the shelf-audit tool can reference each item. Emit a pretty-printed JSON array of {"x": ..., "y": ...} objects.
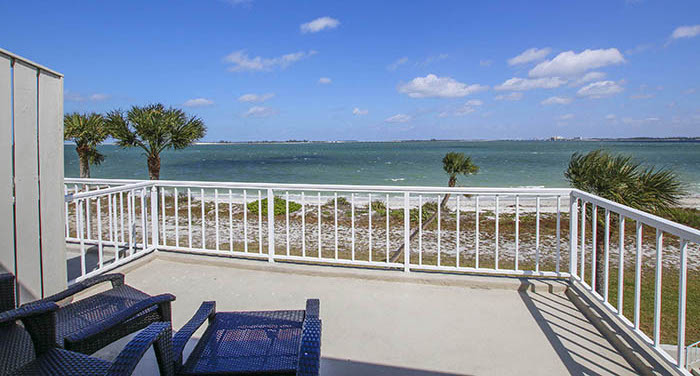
[
  {"x": 443, "y": 205},
  {"x": 84, "y": 162},
  {"x": 154, "y": 167}
]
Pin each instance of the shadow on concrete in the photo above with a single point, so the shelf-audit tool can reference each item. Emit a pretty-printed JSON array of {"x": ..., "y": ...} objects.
[
  {"x": 342, "y": 367},
  {"x": 583, "y": 351}
]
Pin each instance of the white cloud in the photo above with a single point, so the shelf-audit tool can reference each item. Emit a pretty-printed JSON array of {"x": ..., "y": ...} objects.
[
  {"x": 398, "y": 118},
  {"x": 514, "y": 96},
  {"x": 255, "y": 98},
  {"x": 324, "y": 80},
  {"x": 439, "y": 87},
  {"x": 529, "y": 55},
  {"x": 566, "y": 117},
  {"x": 570, "y": 63},
  {"x": 474, "y": 102},
  {"x": 610, "y": 117},
  {"x": 443, "y": 114},
  {"x": 692, "y": 90},
  {"x": 242, "y": 62},
  {"x": 520, "y": 84},
  {"x": 260, "y": 112},
  {"x": 600, "y": 89},
  {"x": 399, "y": 62},
  {"x": 485, "y": 63},
  {"x": 358, "y": 112},
  {"x": 686, "y": 32},
  {"x": 632, "y": 121},
  {"x": 641, "y": 96},
  {"x": 198, "y": 102},
  {"x": 589, "y": 77},
  {"x": 464, "y": 110},
  {"x": 319, "y": 24},
  {"x": 556, "y": 100},
  {"x": 76, "y": 97}
]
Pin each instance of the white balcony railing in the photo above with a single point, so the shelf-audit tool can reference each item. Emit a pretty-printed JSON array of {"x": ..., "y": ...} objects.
[{"x": 502, "y": 231}]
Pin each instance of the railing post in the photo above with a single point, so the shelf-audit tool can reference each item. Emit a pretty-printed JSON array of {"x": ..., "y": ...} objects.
[
  {"x": 271, "y": 225},
  {"x": 406, "y": 233},
  {"x": 154, "y": 216},
  {"x": 573, "y": 233}
]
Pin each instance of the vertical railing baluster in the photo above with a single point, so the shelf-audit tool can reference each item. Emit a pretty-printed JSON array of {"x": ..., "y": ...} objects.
[
  {"x": 387, "y": 227},
  {"x": 369, "y": 198},
  {"x": 303, "y": 226},
  {"x": 582, "y": 273},
  {"x": 203, "y": 212},
  {"x": 476, "y": 232},
  {"x": 320, "y": 213},
  {"x": 682, "y": 291},
  {"x": 270, "y": 225},
  {"x": 496, "y": 235},
  {"x": 216, "y": 217},
  {"x": 100, "y": 247},
  {"x": 537, "y": 234},
  {"x": 121, "y": 215},
  {"x": 245, "y": 222},
  {"x": 573, "y": 229},
  {"x": 65, "y": 211},
  {"x": 420, "y": 229},
  {"x": 260, "y": 241},
  {"x": 606, "y": 272},
  {"x": 457, "y": 235},
  {"x": 657, "y": 287},
  {"x": 517, "y": 231},
  {"x": 638, "y": 276},
  {"x": 335, "y": 220},
  {"x": 558, "y": 261},
  {"x": 110, "y": 228},
  {"x": 286, "y": 211},
  {"x": 189, "y": 217},
  {"x": 176, "y": 198},
  {"x": 438, "y": 229},
  {"x": 131, "y": 219},
  {"x": 116, "y": 227},
  {"x": 406, "y": 233},
  {"x": 144, "y": 233},
  {"x": 154, "y": 216},
  {"x": 230, "y": 221},
  {"x": 594, "y": 246},
  {"x": 352, "y": 224},
  {"x": 80, "y": 221},
  {"x": 162, "y": 216},
  {"x": 77, "y": 210},
  {"x": 88, "y": 225},
  {"x": 621, "y": 267}
]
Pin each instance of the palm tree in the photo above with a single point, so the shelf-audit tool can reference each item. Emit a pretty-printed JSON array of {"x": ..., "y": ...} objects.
[
  {"x": 454, "y": 164},
  {"x": 619, "y": 178},
  {"x": 87, "y": 131},
  {"x": 155, "y": 128}
]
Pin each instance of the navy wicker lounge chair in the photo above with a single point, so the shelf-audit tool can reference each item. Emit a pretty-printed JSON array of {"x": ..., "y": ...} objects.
[
  {"x": 265, "y": 342},
  {"x": 47, "y": 359},
  {"x": 7, "y": 292},
  {"x": 94, "y": 322}
]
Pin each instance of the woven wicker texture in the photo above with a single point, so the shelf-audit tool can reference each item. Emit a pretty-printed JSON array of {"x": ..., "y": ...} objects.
[{"x": 7, "y": 292}]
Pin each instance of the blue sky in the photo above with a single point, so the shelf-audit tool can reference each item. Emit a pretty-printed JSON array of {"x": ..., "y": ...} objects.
[{"x": 375, "y": 70}]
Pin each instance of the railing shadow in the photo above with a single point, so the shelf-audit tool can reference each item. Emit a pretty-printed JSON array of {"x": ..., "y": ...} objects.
[
  {"x": 581, "y": 350},
  {"x": 343, "y": 367}
]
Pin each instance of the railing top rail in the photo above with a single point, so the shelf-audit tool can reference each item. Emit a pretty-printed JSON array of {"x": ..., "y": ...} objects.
[
  {"x": 368, "y": 188},
  {"x": 102, "y": 181},
  {"x": 107, "y": 191},
  {"x": 682, "y": 231},
  {"x": 29, "y": 62}
]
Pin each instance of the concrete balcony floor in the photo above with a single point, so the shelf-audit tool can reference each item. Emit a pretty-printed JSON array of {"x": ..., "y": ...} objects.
[{"x": 378, "y": 322}]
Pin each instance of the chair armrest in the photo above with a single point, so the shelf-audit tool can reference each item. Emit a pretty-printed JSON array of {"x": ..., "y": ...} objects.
[
  {"x": 206, "y": 311},
  {"x": 39, "y": 320},
  {"x": 310, "y": 348},
  {"x": 158, "y": 334},
  {"x": 312, "y": 308},
  {"x": 7, "y": 292},
  {"x": 119, "y": 317},
  {"x": 117, "y": 279}
]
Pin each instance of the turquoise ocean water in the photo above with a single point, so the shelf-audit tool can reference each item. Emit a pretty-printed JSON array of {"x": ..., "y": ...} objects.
[{"x": 502, "y": 163}]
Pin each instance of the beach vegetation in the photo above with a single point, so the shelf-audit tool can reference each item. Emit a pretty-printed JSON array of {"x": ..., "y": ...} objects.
[
  {"x": 155, "y": 128},
  {"x": 280, "y": 205},
  {"x": 87, "y": 130},
  {"x": 618, "y": 178}
]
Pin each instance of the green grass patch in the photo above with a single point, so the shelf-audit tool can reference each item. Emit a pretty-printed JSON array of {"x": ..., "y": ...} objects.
[{"x": 280, "y": 206}]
